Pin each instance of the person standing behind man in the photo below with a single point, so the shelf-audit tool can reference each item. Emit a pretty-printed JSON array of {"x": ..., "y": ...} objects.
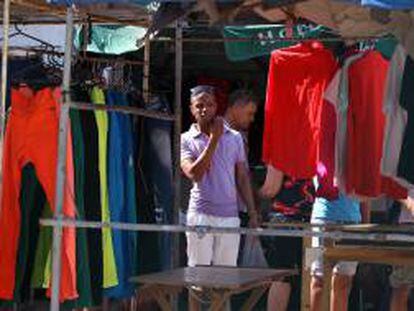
[
  {"x": 241, "y": 111},
  {"x": 239, "y": 116},
  {"x": 213, "y": 158}
]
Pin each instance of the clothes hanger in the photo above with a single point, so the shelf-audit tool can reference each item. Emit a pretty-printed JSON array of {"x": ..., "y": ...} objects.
[{"x": 39, "y": 74}]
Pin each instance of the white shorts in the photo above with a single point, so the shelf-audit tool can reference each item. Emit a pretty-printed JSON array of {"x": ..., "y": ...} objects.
[
  {"x": 343, "y": 267},
  {"x": 212, "y": 248}
]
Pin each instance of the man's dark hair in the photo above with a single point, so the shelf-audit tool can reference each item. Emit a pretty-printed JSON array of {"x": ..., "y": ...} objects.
[{"x": 242, "y": 97}]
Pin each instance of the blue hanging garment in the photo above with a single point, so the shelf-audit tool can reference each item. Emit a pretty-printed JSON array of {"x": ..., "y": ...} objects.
[{"x": 122, "y": 192}]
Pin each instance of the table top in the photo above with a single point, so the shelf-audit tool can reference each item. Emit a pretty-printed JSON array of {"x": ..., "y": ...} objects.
[
  {"x": 213, "y": 277},
  {"x": 368, "y": 228}
]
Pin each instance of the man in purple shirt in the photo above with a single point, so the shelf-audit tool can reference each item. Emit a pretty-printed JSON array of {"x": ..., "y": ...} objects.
[{"x": 213, "y": 157}]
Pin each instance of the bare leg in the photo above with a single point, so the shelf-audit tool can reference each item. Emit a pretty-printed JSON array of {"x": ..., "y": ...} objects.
[
  {"x": 316, "y": 293},
  {"x": 341, "y": 287},
  {"x": 399, "y": 299},
  {"x": 278, "y": 298},
  {"x": 193, "y": 303}
]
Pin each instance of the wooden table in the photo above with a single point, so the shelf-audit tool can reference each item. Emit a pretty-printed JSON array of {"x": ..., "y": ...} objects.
[
  {"x": 368, "y": 252},
  {"x": 219, "y": 282}
]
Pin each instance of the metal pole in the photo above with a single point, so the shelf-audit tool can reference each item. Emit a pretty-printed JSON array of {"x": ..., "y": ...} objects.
[
  {"x": 61, "y": 165},
  {"x": 146, "y": 71},
  {"x": 177, "y": 133},
  {"x": 4, "y": 61},
  {"x": 176, "y": 147},
  {"x": 335, "y": 234}
]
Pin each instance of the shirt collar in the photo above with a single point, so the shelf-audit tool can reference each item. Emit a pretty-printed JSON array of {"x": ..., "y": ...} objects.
[{"x": 195, "y": 132}]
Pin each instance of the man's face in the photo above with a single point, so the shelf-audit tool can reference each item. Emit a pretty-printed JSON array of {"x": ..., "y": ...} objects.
[
  {"x": 203, "y": 108},
  {"x": 244, "y": 115}
]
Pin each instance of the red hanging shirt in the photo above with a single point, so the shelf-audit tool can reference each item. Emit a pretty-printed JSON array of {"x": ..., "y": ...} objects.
[
  {"x": 365, "y": 129},
  {"x": 297, "y": 80}
]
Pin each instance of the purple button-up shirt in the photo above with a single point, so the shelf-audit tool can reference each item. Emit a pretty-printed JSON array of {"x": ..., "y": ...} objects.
[{"x": 216, "y": 193}]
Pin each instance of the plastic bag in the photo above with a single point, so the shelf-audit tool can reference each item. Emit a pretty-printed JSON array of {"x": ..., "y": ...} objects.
[{"x": 252, "y": 254}]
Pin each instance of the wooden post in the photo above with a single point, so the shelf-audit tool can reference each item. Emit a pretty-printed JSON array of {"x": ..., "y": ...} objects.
[
  {"x": 327, "y": 276},
  {"x": 306, "y": 278},
  {"x": 4, "y": 62},
  {"x": 177, "y": 132},
  {"x": 177, "y": 142},
  {"x": 61, "y": 165}
]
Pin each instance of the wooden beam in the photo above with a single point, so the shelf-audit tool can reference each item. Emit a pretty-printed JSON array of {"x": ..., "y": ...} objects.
[
  {"x": 96, "y": 16},
  {"x": 371, "y": 255}
]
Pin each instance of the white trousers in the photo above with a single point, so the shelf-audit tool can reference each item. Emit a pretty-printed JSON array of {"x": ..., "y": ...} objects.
[{"x": 212, "y": 248}]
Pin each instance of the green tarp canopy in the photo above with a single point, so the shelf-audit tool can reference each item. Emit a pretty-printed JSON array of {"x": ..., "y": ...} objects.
[{"x": 115, "y": 40}]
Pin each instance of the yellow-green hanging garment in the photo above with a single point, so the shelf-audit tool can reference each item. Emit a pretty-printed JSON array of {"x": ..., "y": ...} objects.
[{"x": 110, "y": 277}]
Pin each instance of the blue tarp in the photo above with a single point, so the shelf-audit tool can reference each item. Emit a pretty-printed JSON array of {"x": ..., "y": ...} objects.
[
  {"x": 89, "y": 2},
  {"x": 146, "y": 2},
  {"x": 385, "y": 4},
  {"x": 390, "y": 4}
]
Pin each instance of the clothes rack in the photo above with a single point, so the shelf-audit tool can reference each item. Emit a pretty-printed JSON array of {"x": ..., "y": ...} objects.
[
  {"x": 128, "y": 110},
  {"x": 58, "y": 222},
  {"x": 220, "y": 40},
  {"x": 336, "y": 232}
]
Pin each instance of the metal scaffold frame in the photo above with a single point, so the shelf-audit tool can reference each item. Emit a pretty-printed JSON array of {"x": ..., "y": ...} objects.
[
  {"x": 66, "y": 105},
  {"x": 59, "y": 221}
]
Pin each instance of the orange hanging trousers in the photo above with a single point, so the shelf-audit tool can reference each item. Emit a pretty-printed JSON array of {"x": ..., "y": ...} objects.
[{"x": 32, "y": 137}]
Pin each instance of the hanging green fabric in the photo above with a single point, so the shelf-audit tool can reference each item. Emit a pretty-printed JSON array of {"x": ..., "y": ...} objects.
[
  {"x": 110, "y": 274},
  {"x": 32, "y": 200},
  {"x": 82, "y": 254},
  {"x": 239, "y": 47},
  {"x": 386, "y": 46},
  {"x": 43, "y": 261}
]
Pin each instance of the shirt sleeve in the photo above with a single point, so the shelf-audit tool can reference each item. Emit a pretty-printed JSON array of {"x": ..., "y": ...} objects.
[
  {"x": 332, "y": 91},
  {"x": 269, "y": 113},
  {"x": 186, "y": 151},
  {"x": 395, "y": 115},
  {"x": 241, "y": 151}
]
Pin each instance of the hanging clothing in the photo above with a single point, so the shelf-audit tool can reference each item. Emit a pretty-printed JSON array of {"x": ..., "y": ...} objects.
[
  {"x": 83, "y": 272},
  {"x": 297, "y": 80},
  {"x": 330, "y": 204},
  {"x": 122, "y": 200},
  {"x": 43, "y": 261},
  {"x": 337, "y": 95},
  {"x": 365, "y": 129},
  {"x": 110, "y": 277},
  {"x": 158, "y": 172},
  {"x": 92, "y": 195},
  {"x": 406, "y": 160},
  {"x": 365, "y": 124},
  {"x": 32, "y": 200},
  {"x": 32, "y": 137},
  {"x": 395, "y": 114},
  {"x": 325, "y": 169},
  {"x": 295, "y": 199}
]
